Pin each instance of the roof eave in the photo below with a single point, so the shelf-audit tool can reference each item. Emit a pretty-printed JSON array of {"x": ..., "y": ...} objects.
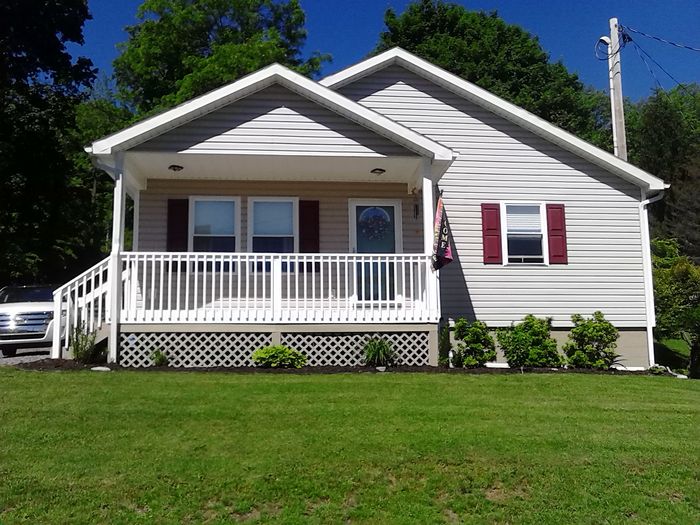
[
  {"x": 275, "y": 73},
  {"x": 498, "y": 106}
]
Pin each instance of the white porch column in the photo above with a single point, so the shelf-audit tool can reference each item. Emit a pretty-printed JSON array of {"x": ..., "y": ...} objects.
[
  {"x": 431, "y": 281},
  {"x": 115, "y": 288}
]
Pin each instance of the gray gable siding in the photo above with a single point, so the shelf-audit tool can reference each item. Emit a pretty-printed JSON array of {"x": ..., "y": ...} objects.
[
  {"x": 274, "y": 120},
  {"x": 499, "y": 161}
]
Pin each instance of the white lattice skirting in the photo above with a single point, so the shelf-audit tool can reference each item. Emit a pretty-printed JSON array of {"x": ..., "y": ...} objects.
[
  {"x": 234, "y": 349},
  {"x": 345, "y": 349}
]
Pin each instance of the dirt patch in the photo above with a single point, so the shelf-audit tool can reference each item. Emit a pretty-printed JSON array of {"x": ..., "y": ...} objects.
[
  {"x": 50, "y": 365},
  {"x": 57, "y": 365}
]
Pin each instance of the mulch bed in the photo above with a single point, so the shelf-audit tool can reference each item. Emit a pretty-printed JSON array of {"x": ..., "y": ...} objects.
[{"x": 57, "y": 365}]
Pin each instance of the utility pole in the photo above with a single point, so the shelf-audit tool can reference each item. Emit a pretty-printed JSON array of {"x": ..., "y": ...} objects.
[{"x": 616, "y": 101}]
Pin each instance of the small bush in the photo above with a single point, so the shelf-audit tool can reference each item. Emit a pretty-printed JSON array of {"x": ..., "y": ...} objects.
[
  {"x": 82, "y": 346},
  {"x": 379, "y": 352},
  {"x": 592, "y": 342},
  {"x": 444, "y": 346},
  {"x": 475, "y": 345},
  {"x": 528, "y": 343},
  {"x": 159, "y": 358},
  {"x": 278, "y": 356}
]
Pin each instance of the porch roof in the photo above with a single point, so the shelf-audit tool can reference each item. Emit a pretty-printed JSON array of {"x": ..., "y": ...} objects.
[{"x": 104, "y": 149}]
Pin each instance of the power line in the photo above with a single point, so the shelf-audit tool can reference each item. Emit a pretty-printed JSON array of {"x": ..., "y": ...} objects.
[
  {"x": 662, "y": 68},
  {"x": 676, "y": 44}
]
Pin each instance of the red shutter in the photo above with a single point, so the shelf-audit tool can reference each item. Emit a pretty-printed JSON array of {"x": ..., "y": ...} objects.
[
  {"x": 556, "y": 233},
  {"x": 491, "y": 233},
  {"x": 309, "y": 227},
  {"x": 178, "y": 225}
]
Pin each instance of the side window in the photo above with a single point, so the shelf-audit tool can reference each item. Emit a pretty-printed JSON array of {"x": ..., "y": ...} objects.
[
  {"x": 273, "y": 225},
  {"x": 524, "y": 242},
  {"x": 214, "y": 224}
]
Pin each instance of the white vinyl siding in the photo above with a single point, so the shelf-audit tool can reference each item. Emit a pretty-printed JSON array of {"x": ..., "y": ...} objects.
[
  {"x": 501, "y": 162},
  {"x": 275, "y": 121}
]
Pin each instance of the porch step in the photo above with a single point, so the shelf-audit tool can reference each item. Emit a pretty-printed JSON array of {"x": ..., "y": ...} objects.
[{"x": 102, "y": 333}]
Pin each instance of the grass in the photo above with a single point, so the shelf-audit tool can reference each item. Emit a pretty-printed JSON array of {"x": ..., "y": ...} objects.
[
  {"x": 673, "y": 353},
  {"x": 149, "y": 447}
]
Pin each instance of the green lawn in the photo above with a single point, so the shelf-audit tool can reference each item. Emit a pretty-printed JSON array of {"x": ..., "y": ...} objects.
[
  {"x": 149, "y": 447},
  {"x": 673, "y": 353}
]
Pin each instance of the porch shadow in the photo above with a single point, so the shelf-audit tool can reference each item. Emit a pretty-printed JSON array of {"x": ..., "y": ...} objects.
[{"x": 453, "y": 284}]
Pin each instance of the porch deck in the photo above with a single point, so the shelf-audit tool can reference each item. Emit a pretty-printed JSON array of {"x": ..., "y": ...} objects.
[{"x": 250, "y": 288}]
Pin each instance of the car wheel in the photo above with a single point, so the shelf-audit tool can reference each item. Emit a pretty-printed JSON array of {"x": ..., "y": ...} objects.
[{"x": 9, "y": 352}]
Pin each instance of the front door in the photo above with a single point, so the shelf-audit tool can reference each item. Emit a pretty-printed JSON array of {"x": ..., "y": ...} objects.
[{"x": 375, "y": 227}]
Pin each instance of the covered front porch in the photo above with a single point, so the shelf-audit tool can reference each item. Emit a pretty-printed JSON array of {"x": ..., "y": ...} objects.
[{"x": 270, "y": 202}]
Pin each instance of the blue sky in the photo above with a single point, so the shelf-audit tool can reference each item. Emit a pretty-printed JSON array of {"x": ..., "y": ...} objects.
[{"x": 568, "y": 30}]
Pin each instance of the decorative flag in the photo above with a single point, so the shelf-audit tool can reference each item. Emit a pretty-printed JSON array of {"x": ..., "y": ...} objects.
[{"x": 442, "y": 247}]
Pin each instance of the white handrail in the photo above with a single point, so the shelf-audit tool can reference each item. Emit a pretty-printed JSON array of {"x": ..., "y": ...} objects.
[
  {"x": 81, "y": 302},
  {"x": 197, "y": 287}
]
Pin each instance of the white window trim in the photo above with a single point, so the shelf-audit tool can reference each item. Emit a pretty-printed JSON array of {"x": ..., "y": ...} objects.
[
  {"x": 237, "y": 219},
  {"x": 398, "y": 216},
  {"x": 295, "y": 219},
  {"x": 543, "y": 227}
]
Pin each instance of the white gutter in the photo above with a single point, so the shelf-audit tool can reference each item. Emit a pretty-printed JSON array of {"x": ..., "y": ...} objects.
[{"x": 648, "y": 274}]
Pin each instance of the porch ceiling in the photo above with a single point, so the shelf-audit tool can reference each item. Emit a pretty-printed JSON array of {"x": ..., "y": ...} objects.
[{"x": 154, "y": 165}]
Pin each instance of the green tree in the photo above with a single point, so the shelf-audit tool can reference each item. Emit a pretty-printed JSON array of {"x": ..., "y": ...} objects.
[
  {"x": 183, "y": 48},
  {"x": 677, "y": 297},
  {"x": 40, "y": 88},
  {"x": 664, "y": 139},
  {"x": 501, "y": 58}
]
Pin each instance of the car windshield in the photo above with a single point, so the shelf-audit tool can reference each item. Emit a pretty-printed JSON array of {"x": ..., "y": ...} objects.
[{"x": 26, "y": 294}]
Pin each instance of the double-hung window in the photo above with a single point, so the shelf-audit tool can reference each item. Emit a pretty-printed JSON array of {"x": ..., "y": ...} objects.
[
  {"x": 524, "y": 233},
  {"x": 273, "y": 225},
  {"x": 214, "y": 224}
]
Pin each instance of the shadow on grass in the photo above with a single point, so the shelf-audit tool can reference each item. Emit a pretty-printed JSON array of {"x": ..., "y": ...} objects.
[{"x": 673, "y": 353}]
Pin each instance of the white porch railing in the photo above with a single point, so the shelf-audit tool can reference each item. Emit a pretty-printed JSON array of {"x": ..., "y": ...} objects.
[
  {"x": 82, "y": 302},
  {"x": 164, "y": 287}
]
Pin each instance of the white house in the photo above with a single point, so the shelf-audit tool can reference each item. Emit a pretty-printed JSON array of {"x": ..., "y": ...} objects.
[{"x": 277, "y": 209}]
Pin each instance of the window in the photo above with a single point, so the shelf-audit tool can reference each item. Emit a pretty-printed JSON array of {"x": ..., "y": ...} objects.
[
  {"x": 524, "y": 233},
  {"x": 272, "y": 224},
  {"x": 214, "y": 224}
]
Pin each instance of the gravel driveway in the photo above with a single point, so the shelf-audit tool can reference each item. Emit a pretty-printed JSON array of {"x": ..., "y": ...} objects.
[{"x": 26, "y": 356}]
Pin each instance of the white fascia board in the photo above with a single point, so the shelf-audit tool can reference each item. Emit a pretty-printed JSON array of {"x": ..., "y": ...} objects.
[
  {"x": 275, "y": 73},
  {"x": 501, "y": 107}
]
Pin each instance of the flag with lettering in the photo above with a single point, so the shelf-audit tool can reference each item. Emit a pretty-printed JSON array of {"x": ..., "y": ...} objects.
[{"x": 442, "y": 245}]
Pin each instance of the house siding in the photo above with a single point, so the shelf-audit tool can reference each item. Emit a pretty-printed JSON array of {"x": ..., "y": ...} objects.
[
  {"x": 274, "y": 120},
  {"x": 333, "y": 208},
  {"x": 499, "y": 161}
]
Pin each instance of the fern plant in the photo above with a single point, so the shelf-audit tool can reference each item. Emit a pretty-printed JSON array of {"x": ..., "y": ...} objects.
[{"x": 379, "y": 352}]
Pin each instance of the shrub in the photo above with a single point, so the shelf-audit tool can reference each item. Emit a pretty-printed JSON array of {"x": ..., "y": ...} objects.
[
  {"x": 475, "y": 345},
  {"x": 82, "y": 346},
  {"x": 592, "y": 342},
  {"x": 159, "y": 358},
  {"x": 278, "y": 356},
  {"x": 379, "y": 352},
  {"x": 444, "y": 346},
  {"x": 528, "y": 343}
]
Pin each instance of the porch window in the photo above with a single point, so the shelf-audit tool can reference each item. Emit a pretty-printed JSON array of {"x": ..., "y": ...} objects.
[
  {"x": 214, "y": 224},
  {"x": 273, "y": 224},
  {"x": 524, "y": 233}
]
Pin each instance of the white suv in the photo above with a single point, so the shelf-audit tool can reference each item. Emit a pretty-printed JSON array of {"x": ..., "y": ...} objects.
[{"x": 26, "y": 318}]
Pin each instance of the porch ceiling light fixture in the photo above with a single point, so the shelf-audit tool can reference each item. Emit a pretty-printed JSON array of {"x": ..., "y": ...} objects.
[
  {"x": 175, "y": 168},
  {"x": 378, "y": 171}
]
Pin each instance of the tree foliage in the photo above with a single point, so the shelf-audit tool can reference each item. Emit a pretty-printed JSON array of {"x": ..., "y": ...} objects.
[
  {"x": 664, "y": 139},
  {"x": 40, "y": 87},
  {"x": 183, "y": 48},
  {"x": 677, "y": 297},
  {"x": 499, "y": 57}
]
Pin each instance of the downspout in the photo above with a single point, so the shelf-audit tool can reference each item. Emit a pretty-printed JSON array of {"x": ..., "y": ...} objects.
[{"x": 648, "y": 275}]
